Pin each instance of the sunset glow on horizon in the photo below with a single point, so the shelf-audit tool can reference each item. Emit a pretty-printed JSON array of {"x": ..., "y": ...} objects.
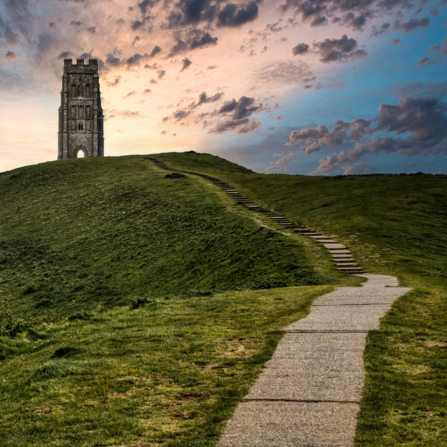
[{"x": 305, "y": 87}]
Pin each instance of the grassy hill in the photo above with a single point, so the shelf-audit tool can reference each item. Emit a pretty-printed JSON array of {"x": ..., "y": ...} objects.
[
  {"x": 393, "y": 224},
  {"x": 137, "y": 309}
]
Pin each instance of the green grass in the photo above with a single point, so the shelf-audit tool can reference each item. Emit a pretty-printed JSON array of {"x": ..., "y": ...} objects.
[
  {"x": 393, "y": 224},
  {"x": 168, "y": 373},
  {"x": 137, "y": 309},
  {"x": 76, "y": 235}
]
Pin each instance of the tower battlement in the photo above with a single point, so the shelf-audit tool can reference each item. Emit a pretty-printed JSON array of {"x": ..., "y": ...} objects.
[{"x": 80, "y": 114}]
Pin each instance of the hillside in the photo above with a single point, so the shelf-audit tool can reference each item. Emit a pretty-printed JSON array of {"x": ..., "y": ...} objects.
[
  {"x": 137, "y": 307},
  {"x": 393, "y": 224},
  {"x": 117, "y": 228}
]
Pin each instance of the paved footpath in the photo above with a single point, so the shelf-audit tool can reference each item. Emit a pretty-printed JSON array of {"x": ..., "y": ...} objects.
[{"x": 308, "y": 395}]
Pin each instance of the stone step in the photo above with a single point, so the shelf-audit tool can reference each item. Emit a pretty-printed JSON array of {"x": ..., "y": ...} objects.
[
  {"x": 344, "y": 261},
  {"x": 347, "y": 265}
]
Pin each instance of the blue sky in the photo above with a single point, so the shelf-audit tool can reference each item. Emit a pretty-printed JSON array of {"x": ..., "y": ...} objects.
[{"x": 277, "y": 76}]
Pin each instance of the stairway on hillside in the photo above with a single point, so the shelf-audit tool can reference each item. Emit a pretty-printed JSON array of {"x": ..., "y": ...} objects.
[{"x": 340, "y": 254}]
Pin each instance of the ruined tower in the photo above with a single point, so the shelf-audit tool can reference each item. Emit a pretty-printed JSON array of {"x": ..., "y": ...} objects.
[{"x": 80, "y": 113}]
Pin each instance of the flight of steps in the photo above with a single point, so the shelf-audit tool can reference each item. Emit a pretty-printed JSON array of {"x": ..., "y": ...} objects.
[{"x": 340, "y": 254}]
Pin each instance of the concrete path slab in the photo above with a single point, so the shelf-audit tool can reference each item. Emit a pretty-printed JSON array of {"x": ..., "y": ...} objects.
[
  {"x": 341, "y": 318},
  {"x": 314, "y": 367},
  {"x": 287, "y": 424}
]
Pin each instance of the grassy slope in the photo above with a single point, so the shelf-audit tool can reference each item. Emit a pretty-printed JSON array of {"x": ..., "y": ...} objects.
[
  {"x": 118, "y": 229},
  {"x": 393, "y": 225},
  {"x": 79, "y": 239}
]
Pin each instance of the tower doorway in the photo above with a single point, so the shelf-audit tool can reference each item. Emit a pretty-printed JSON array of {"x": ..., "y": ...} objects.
[{"x": 80, "y": 154}]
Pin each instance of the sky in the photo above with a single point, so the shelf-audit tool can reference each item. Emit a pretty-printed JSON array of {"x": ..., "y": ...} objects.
[{"x": 321, "y": 87}]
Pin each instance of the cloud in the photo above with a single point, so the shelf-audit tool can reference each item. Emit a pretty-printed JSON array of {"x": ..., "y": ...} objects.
[
  {"x": 235, "y": 114},
  {"x": 11, "y": 55},
  {"x": 423, "y": 61},
  {"x": 232, "y": 16},
  {"x": 283, "y": 72},
  {"x": 123, "y": 114},
  {"x": 382, "y": 29},
  {"x": 286, "y": 158},
  {"x": 250, "y": 126},
  {"x": 199, "y": 40},
  {"x": 301, "y": 48},
  {"x": 396, "y": 41},
  {"x": 130, "y": 94},
  {"x": 181, "y": 114},
  {"x": 343, "y": 131},
  {"x": 115, "y": 82},
  {"x": 276, "y": 169},
  {"x": 418, "y": 127},
  {"x": 411, "y": 25},
  {"x": 332, "y": 50},
  {"x": 186, "y": 63},
  {"x": 147, "y": 91},
  {"x": 351, "y": 13},
  {"x": 279, "y": 118},
  {"x": 64, "y": 55}
]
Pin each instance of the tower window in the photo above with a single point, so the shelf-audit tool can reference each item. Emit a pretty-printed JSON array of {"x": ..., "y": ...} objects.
[{"x": 80, "y": 126}]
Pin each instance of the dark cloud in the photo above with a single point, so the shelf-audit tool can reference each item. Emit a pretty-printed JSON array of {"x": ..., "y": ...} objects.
[
  {"x": 147, "y": 91},
  {"x": 184, "y": 113},
  {"x": 205, "y": 40},
  {"x": 351, "y": 13},
  {"x": 76, "y": 23},
  {"x": 301, "y": 48},
  {"x": 186, "y": 64},
  {"x": 113, "y": 61},
  {"x": 332, "y": 50},
  {"x": 279, "y": 118},
  {"x": 204, "y": 99},
  {"x": 234, "y": 16},
  {"x": 395, "y": 41},
  {"x": 155, "y": 51},
  {"x": 52, "y": 25},
  {"x": 356, "y": 22},
  {"x": 91, "y": 29},
  {"x": 421, "y": 121},
  {"x": 411, "y": 25},
  {"x": 11, "y": 55},
  {"x": 64, "y": 55},
  {"x": 161, "y": 74},
  {"x": 200, "y": 39},
  {"x": 235, "y": 115}
]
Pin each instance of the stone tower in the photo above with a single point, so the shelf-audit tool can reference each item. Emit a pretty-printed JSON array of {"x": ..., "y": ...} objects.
[{"x": 80, "y": 113}]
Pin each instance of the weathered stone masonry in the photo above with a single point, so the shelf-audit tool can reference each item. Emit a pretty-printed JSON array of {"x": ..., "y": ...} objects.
[{"x": 80, "y": 113}]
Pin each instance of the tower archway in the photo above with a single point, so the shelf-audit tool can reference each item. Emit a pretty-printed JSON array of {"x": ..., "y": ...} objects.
[{"x": 81, "y": 153}]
